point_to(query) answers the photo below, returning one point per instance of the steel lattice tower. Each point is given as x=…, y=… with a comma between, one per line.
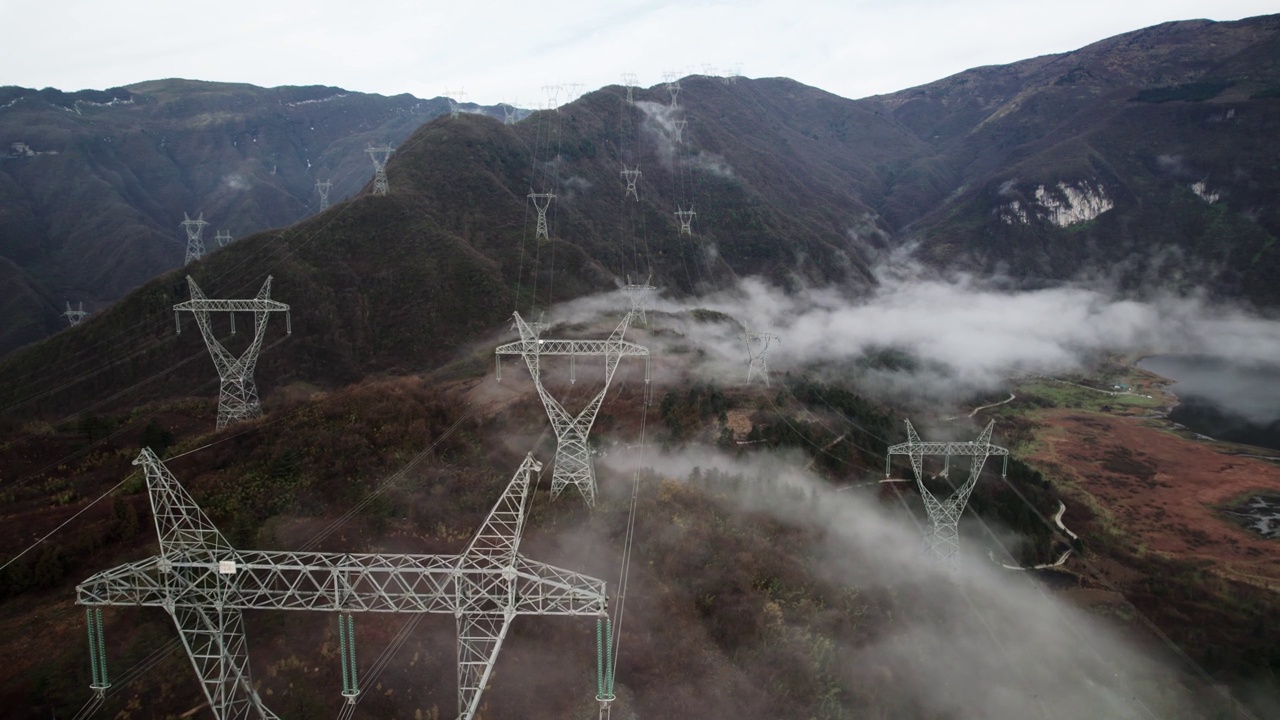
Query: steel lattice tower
x=206, y=585
x=238, y=399
x=223, y=237
x=629, y=82
x=631, y=176
x=508, y=114
x=943, y=539
x=453, y=103
x=541, y=201
x=639, y=295
x=75, y=316
x=379, y=155
x=553, y=95
x=195, y=243
x=680, y=125
x=323, y=188
x=757, y=345
x=573, y=453
x=686, y=220
x=673, y=87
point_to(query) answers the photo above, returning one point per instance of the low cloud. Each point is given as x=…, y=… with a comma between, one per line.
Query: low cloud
x=236, y=181
x=986, y=643
x=960, y=334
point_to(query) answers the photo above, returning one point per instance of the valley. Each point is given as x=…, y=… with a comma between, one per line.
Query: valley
x=1000, y=245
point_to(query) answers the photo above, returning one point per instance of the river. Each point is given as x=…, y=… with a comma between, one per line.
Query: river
x=1223, y=398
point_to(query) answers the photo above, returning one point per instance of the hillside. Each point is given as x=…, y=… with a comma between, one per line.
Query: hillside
x=94, y=184
x=777, y=566
x=1145, y=158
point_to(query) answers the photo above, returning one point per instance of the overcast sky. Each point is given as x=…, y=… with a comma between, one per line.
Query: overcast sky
x=507, y=51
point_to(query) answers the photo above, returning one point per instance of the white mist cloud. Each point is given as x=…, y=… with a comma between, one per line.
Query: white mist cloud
x=965, y=334
x=986, y=643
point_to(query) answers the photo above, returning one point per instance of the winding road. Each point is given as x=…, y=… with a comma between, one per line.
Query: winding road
x=1057, y=520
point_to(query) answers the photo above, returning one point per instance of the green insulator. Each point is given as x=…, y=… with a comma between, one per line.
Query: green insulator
x=599, y=658
x=342, y=655
x=93, y=649
x=102, y=649
x=608, y=656
x=351, y=650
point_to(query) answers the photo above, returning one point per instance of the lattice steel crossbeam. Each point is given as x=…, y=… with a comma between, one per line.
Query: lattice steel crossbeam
x=205, y=585
x=347, y=583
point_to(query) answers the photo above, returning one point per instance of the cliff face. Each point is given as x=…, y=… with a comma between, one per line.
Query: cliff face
x=1145, y=157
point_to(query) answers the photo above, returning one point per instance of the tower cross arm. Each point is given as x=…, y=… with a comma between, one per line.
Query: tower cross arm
x=576, y=347
x=254, y=580
x=543, y=589
x=242, y=305
x=961, y=449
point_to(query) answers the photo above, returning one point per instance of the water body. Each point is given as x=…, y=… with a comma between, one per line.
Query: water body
x=1261, y=513
x=1224, y=398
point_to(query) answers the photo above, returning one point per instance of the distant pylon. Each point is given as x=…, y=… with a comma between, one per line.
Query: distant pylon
x=943, y=539
x=323, y=189
x=508, y=114
x=639, y=295
x=573, y=452
x=541, y=201
x=553, y=95
x=757, y=345
x=709, y=70
x=631, y=176
x=572, y=91
x=673, y=87
x=379, y=155
x=629, y=82
x=195, y=243
x=238, y=399
x=680, y=125
x=223, y=237
x=686, y=220
x=74, y=316
x=454, y=97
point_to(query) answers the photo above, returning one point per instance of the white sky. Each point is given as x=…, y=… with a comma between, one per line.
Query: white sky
x=507, y=51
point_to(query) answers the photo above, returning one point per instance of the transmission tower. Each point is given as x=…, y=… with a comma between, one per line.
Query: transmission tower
x=673, y=87
x=631, y=176
x=573, y=453
x=75, y=316
x=454, y=97
x=195, y=243
x=223, y=237
x=639, y=295
x=206, y=585
x=541, y=201
x=508, y=114
x=680, y=125
x=629, y=82
x=238, y=399
x=686, y=220
x=757, y=345
x=323, y=189
x=379, y=155
x=943, y=539
x=553, y=95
